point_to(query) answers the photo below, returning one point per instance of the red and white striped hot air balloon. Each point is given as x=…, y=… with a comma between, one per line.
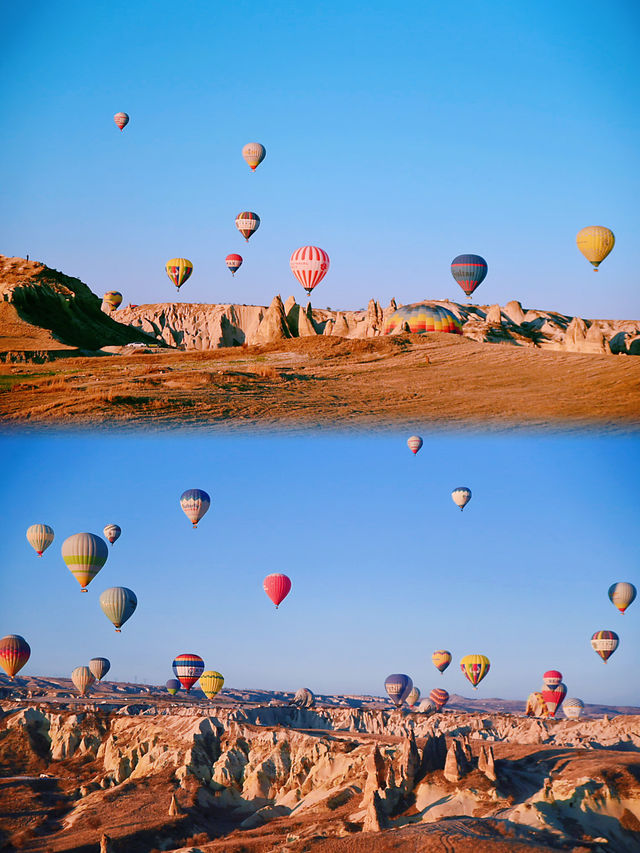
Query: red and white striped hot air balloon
x=121, y=119
x=277, y=587
x=309, y=264
x=414, y=443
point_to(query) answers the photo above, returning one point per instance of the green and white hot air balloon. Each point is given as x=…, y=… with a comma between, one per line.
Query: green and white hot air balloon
x=85, y=554
x=82, y=678
x=118, y=604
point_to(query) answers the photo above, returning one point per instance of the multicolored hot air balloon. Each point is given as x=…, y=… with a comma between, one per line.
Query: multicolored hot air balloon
x=605, y=643
x=621, y=594
x=118, y=604
x=439, y=697
x=413, y=697
x=474, y=668
x=112, y=298
x=441, y=659
x=40, y=536
x=414, y=443
x=595, y=242
x=553, y=697
x=85, y=554
x=179, y=270
x=188, y=669
x=277, y=586
x=420, y=318
x=309, y=264
x=398, y=687
x=303, y=698
x=99, y=667
x=552, y=678
x=234, y=262
x=254, y=153
x=82, y=678
x=247, y=223
x=121, y=119
x=173, y=685
x=461, y=496
x=112, y=532
x=573, y=708
x=195, y=503
x=469, y=271
x=14, y=653
x=211, y=683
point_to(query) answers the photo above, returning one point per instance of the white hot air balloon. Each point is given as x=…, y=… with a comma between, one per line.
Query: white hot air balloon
x=461, y=496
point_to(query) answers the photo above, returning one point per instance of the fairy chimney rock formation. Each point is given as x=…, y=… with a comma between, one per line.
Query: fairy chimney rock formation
x=494, y=316
x=174, y=808
x=305, y=325
x=273, y=326
x=457, y=763
x=374, y=819
x=340, y=327
x=514, y=312
x=486, y=762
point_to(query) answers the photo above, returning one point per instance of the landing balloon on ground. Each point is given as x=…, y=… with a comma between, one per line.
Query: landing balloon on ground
x=40, y=536
x=420, y=318
x=573, y=708
x=303, y=698
x=85, y=554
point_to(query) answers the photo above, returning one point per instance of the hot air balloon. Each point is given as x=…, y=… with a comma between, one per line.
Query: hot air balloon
x=173, y=685
x=553, y=697
x=254, y=154
x=469, y=271
x=309, y=264
x=536, y=706
x=211, y=683
x=441, y=659
x=112, y=298
x=14, y=653
x=439, y=697
x=605, y=643
x=595, y=242
x=622, y=594
x=277, y=587
x=195, y=503
x=40, y=536
x=99, y=667
x=247, y=223
x=421, y=317
x=414, y=443
x=398, y=687
x=188, y=669
x=573, y=708
x=82, y=678
x=552, y=678
x=234, y=262
x=427, y=707
x=112, y=532
x=413, y=697
x=118, y=604
x=85, y=554
x=474, y=668
x=121, y=119
x=303, y=698
x=179, y=270
x=461, y=496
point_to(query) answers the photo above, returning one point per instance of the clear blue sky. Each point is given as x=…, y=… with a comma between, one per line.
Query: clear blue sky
x=397, y=136
x=385, y=568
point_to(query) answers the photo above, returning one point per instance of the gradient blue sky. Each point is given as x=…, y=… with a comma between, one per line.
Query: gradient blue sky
x=397, y=138
x=385, y=568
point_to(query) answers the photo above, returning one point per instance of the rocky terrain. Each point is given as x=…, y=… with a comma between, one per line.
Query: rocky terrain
x=260, y=778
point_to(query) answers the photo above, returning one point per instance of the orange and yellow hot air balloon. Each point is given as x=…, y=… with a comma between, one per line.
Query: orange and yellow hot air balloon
x=595, y=242
x=441, y=659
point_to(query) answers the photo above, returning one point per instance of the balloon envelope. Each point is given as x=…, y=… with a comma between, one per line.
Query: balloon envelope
x=469, y=271
x=247, y=223
x=551, y=678
x=99, y=667
x=14, y=653
x=605, y=643
x=461, y=496
x=121, y=119
x=85, y=554
x=40, y=536
x=309, y=264
x=118, y=604
x=621, y=594
x=398, y=687
x=112, y=532
x=188, y=668
x=195, y=503
x=553, y=697
x=573, y=708
x=441, y=659
x=595, y=242
x=413, y=697
x=414, y=443
x=277, y=586
x=254, y=153
x=234, y=262
x=439, y=697
x=211, y=683
x=179, y=270
x=475, y=667
x=112, y=298
x=427, y=707
x=304, y=698
x=421, y=317
x=173, y=685
x=82, y=678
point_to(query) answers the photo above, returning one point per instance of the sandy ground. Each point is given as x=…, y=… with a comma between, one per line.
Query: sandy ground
x=405, y=382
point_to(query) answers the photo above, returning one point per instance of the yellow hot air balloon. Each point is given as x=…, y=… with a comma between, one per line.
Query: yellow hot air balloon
x=211, y=683
x=595, y=242
x=179, y=270
x=474, y=668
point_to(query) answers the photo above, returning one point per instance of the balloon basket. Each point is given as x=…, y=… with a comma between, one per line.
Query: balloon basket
x=118, y=631
x=84, y=590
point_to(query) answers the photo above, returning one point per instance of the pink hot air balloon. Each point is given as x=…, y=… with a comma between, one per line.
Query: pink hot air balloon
x=121, y=119
x=414, y=443
x=234, y=262
x=309, y=264
x=554, y=697
x=277, y=587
